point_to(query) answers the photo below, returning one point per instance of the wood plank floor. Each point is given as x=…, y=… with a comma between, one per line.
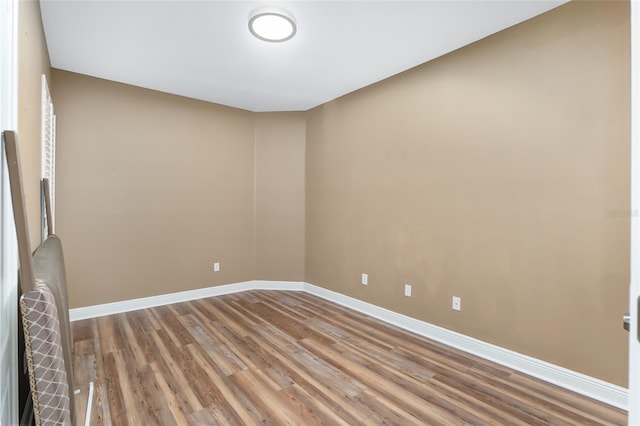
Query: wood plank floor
x=267, y=357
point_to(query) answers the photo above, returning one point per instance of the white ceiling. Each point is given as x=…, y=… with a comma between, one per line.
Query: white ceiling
x=204, y=50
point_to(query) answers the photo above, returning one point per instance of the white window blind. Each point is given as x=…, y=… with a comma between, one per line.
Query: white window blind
x=8, y=258
x=48, y=151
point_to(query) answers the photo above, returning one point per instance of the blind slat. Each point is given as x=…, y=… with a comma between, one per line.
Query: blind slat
x=48, y=148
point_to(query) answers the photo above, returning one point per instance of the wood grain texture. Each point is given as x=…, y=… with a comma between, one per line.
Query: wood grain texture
x=289, y=358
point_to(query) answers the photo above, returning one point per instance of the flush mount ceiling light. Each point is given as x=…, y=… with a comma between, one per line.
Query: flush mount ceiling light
x=272, y=24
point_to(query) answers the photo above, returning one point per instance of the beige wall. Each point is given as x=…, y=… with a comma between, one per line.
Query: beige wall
x=280, y=214
x=487, y=174
x=152, y=189
x=33, y=61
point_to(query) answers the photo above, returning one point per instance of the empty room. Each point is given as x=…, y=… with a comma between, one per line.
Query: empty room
x=319, y=212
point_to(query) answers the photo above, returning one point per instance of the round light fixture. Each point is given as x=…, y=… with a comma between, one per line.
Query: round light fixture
x=272, y=24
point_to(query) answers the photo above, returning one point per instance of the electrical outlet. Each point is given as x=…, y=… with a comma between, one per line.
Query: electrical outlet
x=407, y=290
x=365, y=279
x=216, y=267
x=457, y=303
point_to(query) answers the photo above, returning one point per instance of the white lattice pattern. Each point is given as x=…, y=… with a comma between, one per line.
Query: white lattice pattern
x=45, y=358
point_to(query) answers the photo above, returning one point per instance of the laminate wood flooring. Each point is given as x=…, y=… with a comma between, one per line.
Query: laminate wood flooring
x=277, y=357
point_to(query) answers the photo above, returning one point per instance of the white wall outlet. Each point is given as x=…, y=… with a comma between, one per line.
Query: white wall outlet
x=407, y=290
x=457, y=303
x=216, y=267
x=365, y=279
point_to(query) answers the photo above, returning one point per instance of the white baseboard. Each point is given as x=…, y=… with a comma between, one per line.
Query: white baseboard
x=279, y=285
x=94, y=311
x=572, y=380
